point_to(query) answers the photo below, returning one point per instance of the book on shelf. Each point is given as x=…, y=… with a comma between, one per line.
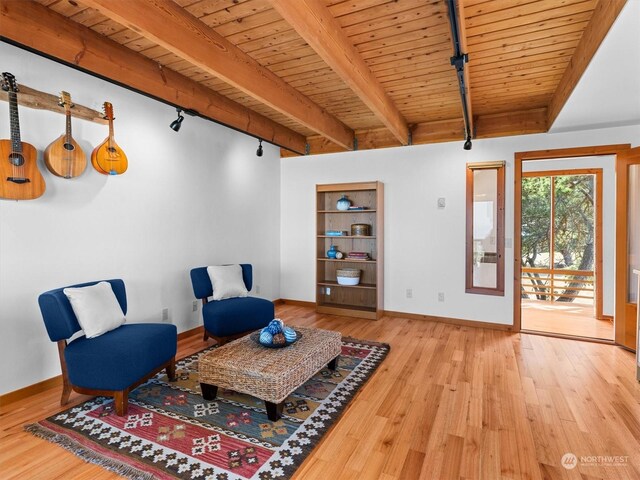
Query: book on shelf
x=357, y=207
x=336, y=233
x=358, y=256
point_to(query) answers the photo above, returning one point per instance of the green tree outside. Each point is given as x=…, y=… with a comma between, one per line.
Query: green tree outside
x=574, y=237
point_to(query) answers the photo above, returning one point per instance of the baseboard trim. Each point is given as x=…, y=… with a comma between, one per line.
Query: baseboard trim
x=56, y=381
x=30, y=390
x=190, y=333
x=450, y=321
x=297, y=303
x=412, y=316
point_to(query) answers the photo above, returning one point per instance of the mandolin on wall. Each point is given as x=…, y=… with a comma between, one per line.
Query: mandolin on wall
x=108, y=158
x=20, y=178
x=64, y=157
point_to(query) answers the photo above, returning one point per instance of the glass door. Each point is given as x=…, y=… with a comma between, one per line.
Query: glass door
x=561, y=253
x=559, y=237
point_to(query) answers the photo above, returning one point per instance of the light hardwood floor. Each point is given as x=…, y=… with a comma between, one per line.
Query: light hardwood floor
x=564, y=318
x=448, y=402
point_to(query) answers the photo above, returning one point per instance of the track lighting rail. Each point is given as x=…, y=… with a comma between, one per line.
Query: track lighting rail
x=458, y=61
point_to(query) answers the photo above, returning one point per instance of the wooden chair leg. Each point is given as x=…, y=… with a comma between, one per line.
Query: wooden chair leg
x=121, y=399
x=206, y=334
x=66, y=392
x=171, y=370
x=66, y=385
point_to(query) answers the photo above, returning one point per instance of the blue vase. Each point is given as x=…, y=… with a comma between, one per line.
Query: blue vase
x=344, y=203
x=331, y=253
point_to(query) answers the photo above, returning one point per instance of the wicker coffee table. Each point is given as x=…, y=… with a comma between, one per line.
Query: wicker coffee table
x=270, y=374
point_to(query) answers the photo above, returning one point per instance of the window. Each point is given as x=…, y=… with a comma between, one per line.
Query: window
x=485, y=228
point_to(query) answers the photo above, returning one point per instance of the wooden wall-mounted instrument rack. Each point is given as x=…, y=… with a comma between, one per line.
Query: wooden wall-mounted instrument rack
x=32, y=98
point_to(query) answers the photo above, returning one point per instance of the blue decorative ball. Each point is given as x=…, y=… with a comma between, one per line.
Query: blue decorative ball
x=275, y=326
x=290, y=334
x=266, y=338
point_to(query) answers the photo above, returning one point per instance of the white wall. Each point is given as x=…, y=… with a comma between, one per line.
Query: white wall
x=197, y=197
x=424, y=246
x=608, y=165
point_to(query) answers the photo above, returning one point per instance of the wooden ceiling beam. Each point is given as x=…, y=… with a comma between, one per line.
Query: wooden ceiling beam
x=167, y=24
x=487, y=126
x=41, y=29
x=604, y=14
x=319, y=28
x=511, y=123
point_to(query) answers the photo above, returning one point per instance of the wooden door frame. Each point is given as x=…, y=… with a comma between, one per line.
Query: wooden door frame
x=598, y=186
x=622, y=248
x=519, y=157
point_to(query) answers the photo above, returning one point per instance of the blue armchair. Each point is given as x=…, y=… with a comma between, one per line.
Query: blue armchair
x=232, y=317
x=113, y=363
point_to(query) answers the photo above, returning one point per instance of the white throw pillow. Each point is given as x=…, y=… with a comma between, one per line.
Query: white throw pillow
x=96, y=308
x=227, y=281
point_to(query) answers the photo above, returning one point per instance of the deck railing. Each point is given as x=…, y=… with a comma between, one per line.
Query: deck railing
x=557, y=285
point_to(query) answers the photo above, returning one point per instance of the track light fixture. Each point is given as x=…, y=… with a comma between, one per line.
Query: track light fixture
x=177, y=123
x=259, y=151
x=458, y=61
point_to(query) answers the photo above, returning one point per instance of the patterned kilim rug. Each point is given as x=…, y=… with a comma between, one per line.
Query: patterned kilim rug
x=170, y=431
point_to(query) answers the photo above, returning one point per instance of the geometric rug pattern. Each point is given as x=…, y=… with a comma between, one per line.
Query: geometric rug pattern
x=171, y=432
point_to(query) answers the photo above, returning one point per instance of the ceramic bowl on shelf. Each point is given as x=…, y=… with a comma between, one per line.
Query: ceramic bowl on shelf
x=348, y=276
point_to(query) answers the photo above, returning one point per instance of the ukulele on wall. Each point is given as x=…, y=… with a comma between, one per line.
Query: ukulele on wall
x=108, y=158
x=20, y=178
x=64, y=157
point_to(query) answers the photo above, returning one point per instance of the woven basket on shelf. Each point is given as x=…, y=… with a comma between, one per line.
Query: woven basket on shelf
x=348, y=276
x=348, y=272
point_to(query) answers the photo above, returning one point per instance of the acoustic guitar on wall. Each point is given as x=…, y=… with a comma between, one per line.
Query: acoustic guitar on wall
x=64, y=157
x=108, y=158
x=20, y=178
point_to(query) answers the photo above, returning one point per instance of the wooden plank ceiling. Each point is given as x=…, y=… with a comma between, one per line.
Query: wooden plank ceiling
x=323, y=72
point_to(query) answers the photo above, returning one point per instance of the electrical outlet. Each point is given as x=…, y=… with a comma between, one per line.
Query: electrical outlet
x=165, y=314
x=409, y=293
x=195, y=306
x=442, y=202
x=441, y=296
x=257, y=289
